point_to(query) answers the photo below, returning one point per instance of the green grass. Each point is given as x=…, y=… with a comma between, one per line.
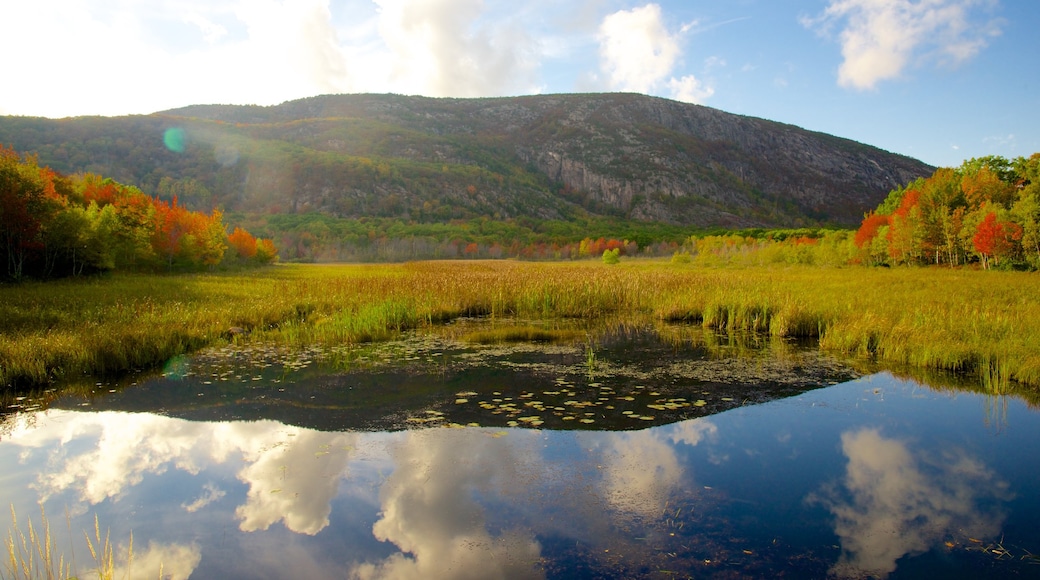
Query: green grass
x=984, y=324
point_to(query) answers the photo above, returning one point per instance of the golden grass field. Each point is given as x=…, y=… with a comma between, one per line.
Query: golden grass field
x=981, y=323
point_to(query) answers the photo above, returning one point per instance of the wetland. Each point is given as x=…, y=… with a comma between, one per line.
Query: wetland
x=600, y=449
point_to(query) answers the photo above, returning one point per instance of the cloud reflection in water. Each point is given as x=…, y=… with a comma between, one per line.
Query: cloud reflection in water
x=292, y=473
x=892, y=503
x=430, y=509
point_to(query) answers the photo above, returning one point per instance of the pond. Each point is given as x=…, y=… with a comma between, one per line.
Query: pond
x=635, y=453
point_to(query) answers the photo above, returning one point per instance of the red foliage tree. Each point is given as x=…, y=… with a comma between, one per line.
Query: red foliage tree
x=868, y=230
x=995, y=239
x=100, y=190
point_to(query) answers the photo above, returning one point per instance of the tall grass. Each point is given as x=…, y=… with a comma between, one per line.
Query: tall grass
x=31, y=552
x=982, y=323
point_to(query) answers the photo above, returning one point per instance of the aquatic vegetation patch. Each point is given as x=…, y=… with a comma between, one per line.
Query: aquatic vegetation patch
x=522, y=334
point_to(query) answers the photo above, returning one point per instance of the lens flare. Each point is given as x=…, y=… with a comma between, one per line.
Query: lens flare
x=173, y=138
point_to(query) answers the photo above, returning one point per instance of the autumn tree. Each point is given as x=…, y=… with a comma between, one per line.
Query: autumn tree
x=28, y=201
x=906, y=230
x=984, y=185
x=994, y=239
x=1026, y=210
x=942, y=206
x=243, y=243
x=266, y=252
x=868, y=231
x=51, y=225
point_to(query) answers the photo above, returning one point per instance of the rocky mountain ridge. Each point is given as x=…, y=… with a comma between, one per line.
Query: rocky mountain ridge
x=549, y=156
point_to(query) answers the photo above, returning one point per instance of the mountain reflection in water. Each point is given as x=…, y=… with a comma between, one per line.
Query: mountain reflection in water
x=873, y=477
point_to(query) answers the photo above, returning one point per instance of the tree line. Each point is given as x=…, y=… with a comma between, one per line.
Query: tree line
x=52, y=225
x=987, y=211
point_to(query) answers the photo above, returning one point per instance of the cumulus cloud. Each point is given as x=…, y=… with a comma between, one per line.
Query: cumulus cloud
x=641, y=470
x=881, y=38
x=892, y=503
x=694, y=431
x=637, y=50
x=639, y=54
x=212, y=494
x=295, y=483
x=689, y=90
x=180, y=52
x=143, y=57
x=640, y=473
x=175, y=561
x=430, y=513
x=445, y=48
x=293, y=474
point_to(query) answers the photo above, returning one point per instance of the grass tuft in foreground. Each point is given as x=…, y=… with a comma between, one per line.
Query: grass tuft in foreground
x=32, y=553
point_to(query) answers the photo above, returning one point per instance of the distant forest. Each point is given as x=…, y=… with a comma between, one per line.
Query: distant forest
x=985, y=212
x=55, y=226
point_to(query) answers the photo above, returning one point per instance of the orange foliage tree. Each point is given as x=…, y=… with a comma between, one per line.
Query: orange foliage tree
x=56, y=226
x=243, y=243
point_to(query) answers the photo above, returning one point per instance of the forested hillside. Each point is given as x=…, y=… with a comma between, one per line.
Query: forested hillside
x=421, y=160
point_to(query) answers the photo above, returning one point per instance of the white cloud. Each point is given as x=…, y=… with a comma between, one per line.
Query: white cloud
x=694, y=431
x=636, y=49
x=881, y=38
x=294, y=483
x=893, y=504
x=213, y=493
x=443, y=48
x=121, y=61
x=714, y=62
x=640, y=473
x=689, y=90
x=292, y=473
x=429, y=510
x=639, y=54
x=145, y=57
x=175, y=561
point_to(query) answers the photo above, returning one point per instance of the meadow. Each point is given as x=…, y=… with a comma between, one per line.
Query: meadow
x=978, y=323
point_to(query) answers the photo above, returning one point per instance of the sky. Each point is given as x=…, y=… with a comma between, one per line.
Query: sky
x=938, y=80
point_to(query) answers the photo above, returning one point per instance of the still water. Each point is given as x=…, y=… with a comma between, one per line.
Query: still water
x=630, y=456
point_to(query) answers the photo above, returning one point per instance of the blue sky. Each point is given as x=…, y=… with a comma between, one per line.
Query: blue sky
x=939, y=80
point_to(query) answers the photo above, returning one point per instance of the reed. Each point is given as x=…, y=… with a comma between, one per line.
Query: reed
x=32, y=553
x=986, y=324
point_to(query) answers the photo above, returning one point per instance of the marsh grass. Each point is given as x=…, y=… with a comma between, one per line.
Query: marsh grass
x=31, y=552
x=983, y=324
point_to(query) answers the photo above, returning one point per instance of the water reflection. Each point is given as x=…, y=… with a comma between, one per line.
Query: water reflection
x=292, y=473
x=892, y=502
x=429, y=508
x=641, y=471
x=718, y=496
x=176, y=561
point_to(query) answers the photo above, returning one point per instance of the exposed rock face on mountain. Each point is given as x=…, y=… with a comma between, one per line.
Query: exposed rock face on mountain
x=547, y=156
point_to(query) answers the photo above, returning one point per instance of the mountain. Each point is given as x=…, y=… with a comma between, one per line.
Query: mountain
x=549, y=157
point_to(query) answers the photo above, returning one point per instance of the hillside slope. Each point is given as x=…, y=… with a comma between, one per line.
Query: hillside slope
x=550, y=157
